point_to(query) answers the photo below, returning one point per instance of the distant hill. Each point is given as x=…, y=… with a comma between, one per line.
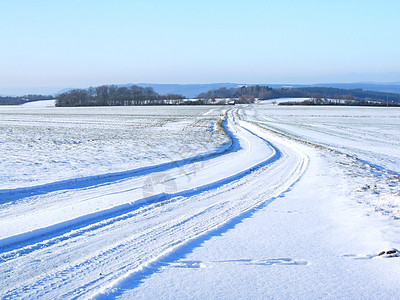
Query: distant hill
x=376, y=87
x=191, y=90
x=21, y=91
x=8, y=100
x=247, y=94
x=386, y=87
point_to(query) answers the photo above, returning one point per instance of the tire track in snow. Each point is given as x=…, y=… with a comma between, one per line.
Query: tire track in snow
x=52, y=233
x=37, y=236
x=133, y=278
x=198, y=225
x=326, y=130
x=10, y=195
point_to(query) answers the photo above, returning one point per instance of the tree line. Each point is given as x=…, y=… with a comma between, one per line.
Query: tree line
x=247, y=94
x=353, y=94
x=349, y=101
x=111, y=95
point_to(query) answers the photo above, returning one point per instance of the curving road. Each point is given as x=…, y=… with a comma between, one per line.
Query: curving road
x=99, y=238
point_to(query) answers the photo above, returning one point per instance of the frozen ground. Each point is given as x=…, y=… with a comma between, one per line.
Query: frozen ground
x=40, y=145
x=289, y=206
x=312, y=242
x=371, y=134
x=40, y=104
x=369, y=137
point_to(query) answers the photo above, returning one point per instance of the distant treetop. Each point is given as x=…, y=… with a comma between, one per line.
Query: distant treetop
x=248, y=94
x=111, y=95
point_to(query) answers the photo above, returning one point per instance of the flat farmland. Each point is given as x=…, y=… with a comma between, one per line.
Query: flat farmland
x=149, y=202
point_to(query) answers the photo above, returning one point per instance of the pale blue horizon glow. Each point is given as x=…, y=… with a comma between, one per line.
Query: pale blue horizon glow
x=80, y=43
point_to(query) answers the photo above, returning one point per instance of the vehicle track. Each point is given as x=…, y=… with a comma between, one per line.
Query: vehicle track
x=96, y=256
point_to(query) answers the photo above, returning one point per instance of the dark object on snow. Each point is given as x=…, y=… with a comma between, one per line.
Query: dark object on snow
x=390, y=253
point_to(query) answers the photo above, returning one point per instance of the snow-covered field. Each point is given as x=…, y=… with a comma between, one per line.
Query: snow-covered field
x=156, y=202
x=371, y=134
x=41, y=145
x=368, y=137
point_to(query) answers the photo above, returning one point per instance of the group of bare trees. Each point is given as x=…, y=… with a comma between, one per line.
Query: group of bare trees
x=318, y=95
x=111, y=95
x=247, y=94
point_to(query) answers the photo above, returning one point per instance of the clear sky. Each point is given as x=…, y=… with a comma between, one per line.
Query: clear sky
x=78, y=43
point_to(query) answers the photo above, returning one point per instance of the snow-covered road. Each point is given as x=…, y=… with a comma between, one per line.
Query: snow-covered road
x=313, y=242
x=101, y=235
x=320, y=239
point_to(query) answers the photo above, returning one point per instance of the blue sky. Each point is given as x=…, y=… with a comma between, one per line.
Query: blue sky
x=82, y=43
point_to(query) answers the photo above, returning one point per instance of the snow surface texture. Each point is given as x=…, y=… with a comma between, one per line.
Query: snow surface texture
x=39, y=146
x=371, y=134
x=263, y=211
x=369, y=137
x=40, y=104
